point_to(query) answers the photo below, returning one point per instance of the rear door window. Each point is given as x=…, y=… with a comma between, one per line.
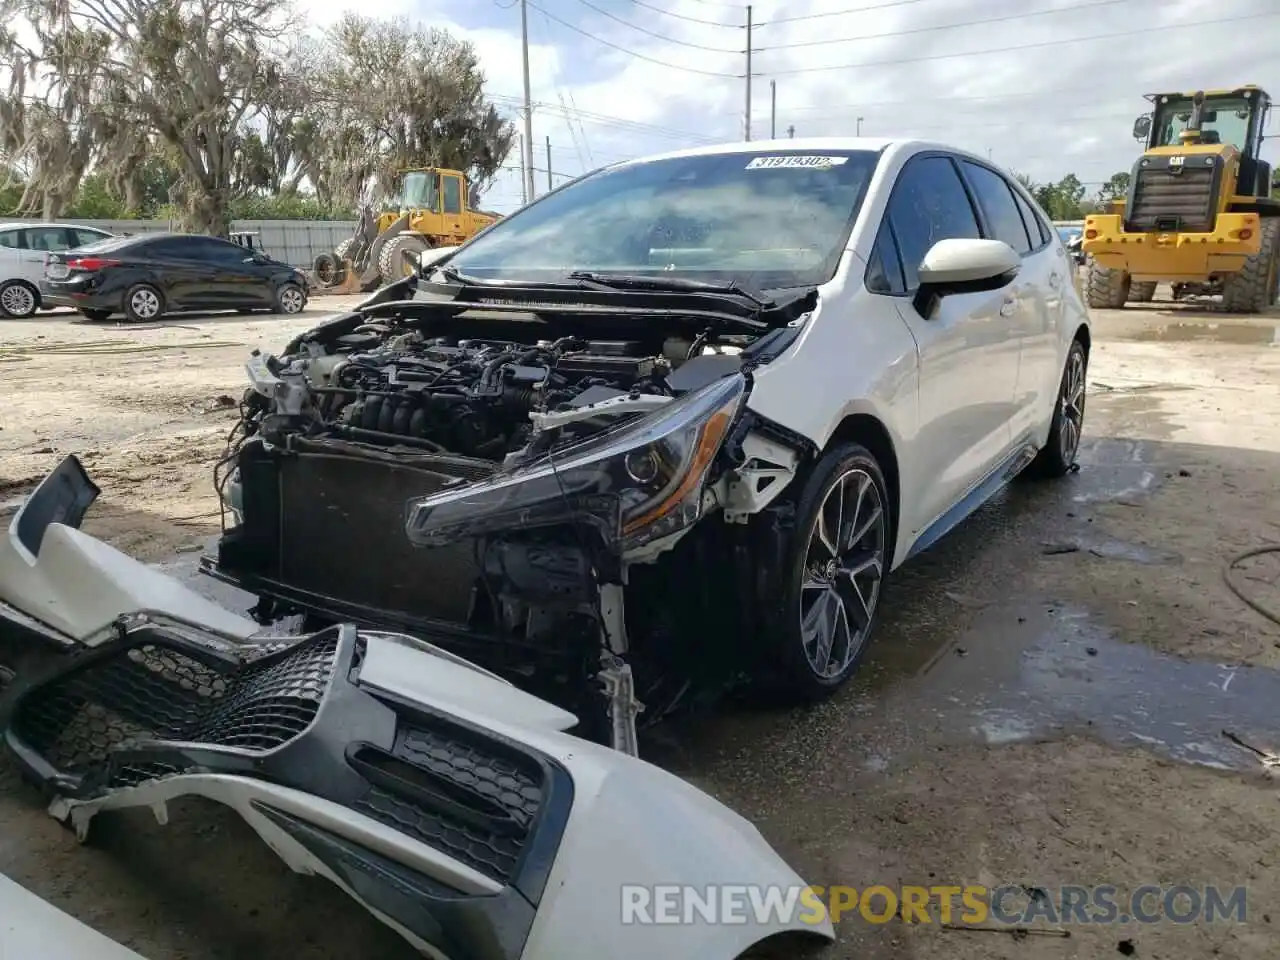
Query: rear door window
x=1036, y=227
x=11, y=239
x=82, y=237
x=49, y=239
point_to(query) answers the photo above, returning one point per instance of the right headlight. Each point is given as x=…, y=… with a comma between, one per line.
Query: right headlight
x=637, y=483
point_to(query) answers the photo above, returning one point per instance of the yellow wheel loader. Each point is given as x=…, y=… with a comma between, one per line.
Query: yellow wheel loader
x=428, y=209
x=1199, y=213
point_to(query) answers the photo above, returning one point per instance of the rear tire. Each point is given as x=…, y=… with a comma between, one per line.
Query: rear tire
x=1106, y=288
x=1142, y=292
x=1058, y=455
x=143, y=304
x=1253, y=289
x=97, y=316
x=18, y=299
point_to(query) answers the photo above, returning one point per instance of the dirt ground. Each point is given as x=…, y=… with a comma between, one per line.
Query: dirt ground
x=1039, y=683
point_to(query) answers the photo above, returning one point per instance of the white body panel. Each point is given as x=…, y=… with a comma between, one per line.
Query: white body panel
x=31, y=927
x=78, y=585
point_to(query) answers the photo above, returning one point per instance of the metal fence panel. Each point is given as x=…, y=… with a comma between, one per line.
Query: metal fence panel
x=296, y=242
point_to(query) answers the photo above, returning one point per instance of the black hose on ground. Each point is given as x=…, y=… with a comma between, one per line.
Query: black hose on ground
x=1227, y=575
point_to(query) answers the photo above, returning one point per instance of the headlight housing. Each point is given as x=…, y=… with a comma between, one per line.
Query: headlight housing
x=635, y=484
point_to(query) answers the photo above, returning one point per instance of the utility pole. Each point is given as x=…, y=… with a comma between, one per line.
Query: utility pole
x=773, y=109
x=528, y=104
x=791, y=131
x=747, y=116
x=859, y=133
x=549, y=186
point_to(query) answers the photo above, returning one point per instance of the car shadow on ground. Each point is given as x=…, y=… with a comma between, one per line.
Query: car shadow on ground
x=316, y=306
x=205, y=887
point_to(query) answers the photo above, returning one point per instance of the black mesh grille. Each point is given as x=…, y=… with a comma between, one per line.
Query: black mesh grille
x=479, y=779
x=1174, y=201
x=155, y=692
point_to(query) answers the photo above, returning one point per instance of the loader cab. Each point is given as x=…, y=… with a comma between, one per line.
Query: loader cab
x=1213, y=118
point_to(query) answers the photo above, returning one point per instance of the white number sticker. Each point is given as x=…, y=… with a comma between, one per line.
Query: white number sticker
x=791, y=163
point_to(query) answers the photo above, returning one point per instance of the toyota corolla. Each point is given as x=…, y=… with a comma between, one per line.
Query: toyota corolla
x=683, y=413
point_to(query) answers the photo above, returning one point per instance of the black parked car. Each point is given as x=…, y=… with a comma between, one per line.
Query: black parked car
x=152, y=274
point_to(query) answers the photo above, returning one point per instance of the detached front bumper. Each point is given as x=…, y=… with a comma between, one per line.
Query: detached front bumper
x=1173, y=256
x=443, y=829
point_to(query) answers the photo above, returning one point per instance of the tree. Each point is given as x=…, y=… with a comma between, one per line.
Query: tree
x=396, y=96
x=1116, y=188
x=190, y=73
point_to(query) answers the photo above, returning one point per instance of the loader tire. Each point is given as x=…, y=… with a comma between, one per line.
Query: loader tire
x=343, y=250
x=1142, y=291
x=1253, y=289
x=393, y=264
x=1106, y=288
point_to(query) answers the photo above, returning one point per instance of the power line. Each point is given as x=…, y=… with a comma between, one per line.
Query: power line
x=1025, y=46
x=604, y=119
x=662, y=36
x=681, y=16
x=632, y=53
x=841, y=13
x=943, y=26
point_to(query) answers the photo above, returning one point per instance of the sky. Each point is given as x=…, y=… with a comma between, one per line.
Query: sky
x=1044, y=87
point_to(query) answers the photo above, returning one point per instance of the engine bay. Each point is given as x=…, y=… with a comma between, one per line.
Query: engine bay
x=387, y=384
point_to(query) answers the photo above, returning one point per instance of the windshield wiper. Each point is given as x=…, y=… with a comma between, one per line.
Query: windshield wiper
x=633, y=281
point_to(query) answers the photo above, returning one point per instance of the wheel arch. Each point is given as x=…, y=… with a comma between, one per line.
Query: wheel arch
x=869, y=431
x=1084, y=337
x=22, y=282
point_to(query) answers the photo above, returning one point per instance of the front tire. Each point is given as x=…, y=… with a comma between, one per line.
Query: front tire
x=833, y=571
x=1106, y=288
x=290, y=299
x=394, y=262
x=1254, y=288
x=143, y=303
x=1142, y=291
x=1058, y=456
x=18, y=299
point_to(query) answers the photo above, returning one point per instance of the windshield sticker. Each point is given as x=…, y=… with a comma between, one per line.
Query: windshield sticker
x=791, y=163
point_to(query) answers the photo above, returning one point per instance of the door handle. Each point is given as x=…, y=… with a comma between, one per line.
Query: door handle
x=1008, y=308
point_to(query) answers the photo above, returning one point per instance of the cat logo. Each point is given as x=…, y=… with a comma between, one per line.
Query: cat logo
x=1177, y=162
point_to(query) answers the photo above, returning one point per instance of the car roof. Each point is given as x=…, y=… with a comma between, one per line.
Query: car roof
x=20, y=224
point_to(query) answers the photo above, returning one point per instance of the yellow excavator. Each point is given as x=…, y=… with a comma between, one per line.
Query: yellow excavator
x=428, y=208
x=1199, y=213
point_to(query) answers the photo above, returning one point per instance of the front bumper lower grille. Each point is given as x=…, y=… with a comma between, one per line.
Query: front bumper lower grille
x=155, y=704
x=151, y=692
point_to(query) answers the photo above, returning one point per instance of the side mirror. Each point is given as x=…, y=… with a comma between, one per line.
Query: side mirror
x=964, y=266
x=1142, y=127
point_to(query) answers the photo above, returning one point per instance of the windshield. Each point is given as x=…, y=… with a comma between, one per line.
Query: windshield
x=1224, y=121
x=417, y=191
x=766, y=220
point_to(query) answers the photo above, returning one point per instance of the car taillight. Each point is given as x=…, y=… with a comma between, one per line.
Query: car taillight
x=90, y=264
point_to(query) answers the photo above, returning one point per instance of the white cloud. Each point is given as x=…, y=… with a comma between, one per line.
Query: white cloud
x=1048, y=108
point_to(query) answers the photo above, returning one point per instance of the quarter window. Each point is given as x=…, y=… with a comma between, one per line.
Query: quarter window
x=929, y=203
x=80, y=237
x=998, y=206
x=884, y=272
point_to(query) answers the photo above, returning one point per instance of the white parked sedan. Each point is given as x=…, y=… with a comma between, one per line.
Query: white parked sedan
x=23, y=247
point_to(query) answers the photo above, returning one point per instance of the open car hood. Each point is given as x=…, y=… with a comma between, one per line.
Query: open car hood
x=448, y=803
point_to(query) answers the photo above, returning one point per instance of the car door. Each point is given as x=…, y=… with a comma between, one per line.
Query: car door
x=968, y=356
x=1040, y=371
x=451, y=204
x=37, y=243
x=236, y=279
x=1031, y=289
x=184, y=277
x=10, y=254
